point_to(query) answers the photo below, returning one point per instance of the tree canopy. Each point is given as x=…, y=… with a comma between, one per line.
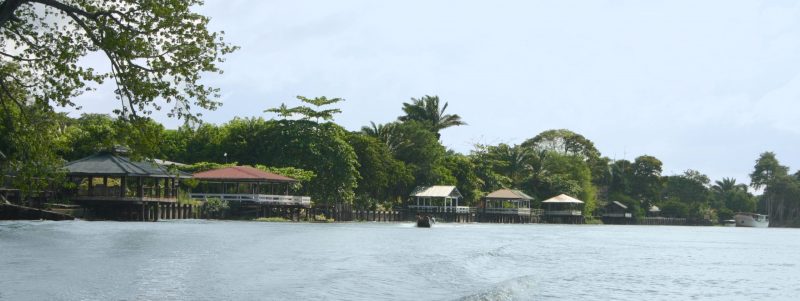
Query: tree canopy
x=428, y=111
x=155, y=52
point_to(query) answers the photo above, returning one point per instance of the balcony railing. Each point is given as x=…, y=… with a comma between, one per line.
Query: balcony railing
x=512, y=211
x=441, y=209
x=615, y=215
x=290, y=200
x=563, y=212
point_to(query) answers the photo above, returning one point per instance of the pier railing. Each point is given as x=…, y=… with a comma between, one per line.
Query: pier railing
x=513, y=211
x=440, y=209
x=618, y=215
x=563, y=212
x=292, y=200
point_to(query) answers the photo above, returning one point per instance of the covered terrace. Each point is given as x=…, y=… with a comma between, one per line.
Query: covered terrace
x=247, y=184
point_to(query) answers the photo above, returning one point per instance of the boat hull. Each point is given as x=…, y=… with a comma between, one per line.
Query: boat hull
x=751, y=220
x=424, y=222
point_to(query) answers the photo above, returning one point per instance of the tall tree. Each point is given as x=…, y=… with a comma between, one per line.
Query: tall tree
x=730, y=197
x=156, y=50
x=383, y=180
x=565, y=142
x=767, y=168
x=427, y=110
x=647, y=183
x=388, y=134
x=781, y=197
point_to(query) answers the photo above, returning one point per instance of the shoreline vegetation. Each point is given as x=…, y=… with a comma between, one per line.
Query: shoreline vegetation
x=376, y=167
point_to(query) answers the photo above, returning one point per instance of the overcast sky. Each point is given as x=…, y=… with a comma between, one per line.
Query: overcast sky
x=704, y=85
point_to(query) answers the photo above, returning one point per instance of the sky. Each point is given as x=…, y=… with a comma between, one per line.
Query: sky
x=703, y=85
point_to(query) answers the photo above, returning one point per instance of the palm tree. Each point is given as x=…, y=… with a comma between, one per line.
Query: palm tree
x=517, y=161
x=388, y=134
x=727, y=184
x=426, y=110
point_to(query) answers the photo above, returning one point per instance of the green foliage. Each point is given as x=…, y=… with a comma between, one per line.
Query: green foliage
x=320, y=218
x=383, y=180
x=563, y=173
x=388, y=134
x=199, y=144
x=674, y=208
x=487, y=168
x=512, y=162
x=467, y=181
x=203, y=166
x=646, y=178
x=564, y=142
x=727, y=195
x=320, y=148
x=781, y=197
x=767, y=168
x=157, y=51
x=95, y=132
x=426, y=111
x=308, y=113
x=31, y=137
x=422, y=154
x=216, y=207
x=688, y=188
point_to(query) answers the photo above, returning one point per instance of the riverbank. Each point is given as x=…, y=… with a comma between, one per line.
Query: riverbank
x=17, y=212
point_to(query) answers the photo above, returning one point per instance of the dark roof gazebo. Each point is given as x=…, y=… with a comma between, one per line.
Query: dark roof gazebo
x=109, y=176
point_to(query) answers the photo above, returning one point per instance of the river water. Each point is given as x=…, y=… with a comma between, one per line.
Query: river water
x=227, y=260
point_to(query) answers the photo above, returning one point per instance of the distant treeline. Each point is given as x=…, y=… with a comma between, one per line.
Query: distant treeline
x=377, y=166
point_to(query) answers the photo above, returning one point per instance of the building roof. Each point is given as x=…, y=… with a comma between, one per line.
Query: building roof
x=654, y=208
x=437, y=192
x=621, y=205
x=241, y=174
x=111, y=164
x=510, y=194
x=563, y=199
x=168, y=163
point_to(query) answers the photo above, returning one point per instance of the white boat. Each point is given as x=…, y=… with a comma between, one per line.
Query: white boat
x=745, y=219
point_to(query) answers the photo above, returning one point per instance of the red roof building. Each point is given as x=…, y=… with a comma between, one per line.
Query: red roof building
x=247, y=184
x=241, y=174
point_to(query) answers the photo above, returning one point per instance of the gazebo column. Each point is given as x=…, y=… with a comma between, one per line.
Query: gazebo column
x=122, y=186
x=167, y=187
x=105, y=185
x=91, y=186
x=158, y=188
x=140, y=188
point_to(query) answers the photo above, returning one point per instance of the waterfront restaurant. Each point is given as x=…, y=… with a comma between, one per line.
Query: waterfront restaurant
x=115, y=187
x=249, y=185
x=563, y=209
x=437, y=199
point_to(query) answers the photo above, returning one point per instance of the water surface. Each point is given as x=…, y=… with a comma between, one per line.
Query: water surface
x=219, y=260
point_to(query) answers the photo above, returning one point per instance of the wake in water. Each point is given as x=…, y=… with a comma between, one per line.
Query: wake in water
x=521, y=288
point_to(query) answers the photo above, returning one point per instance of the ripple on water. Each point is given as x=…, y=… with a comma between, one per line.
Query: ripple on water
x=211, y=260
